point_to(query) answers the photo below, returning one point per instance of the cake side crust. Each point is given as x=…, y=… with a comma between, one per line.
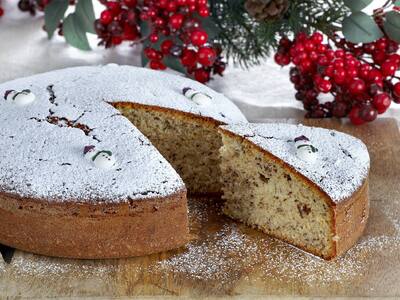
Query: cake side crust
x=94, y=231
x=351, y=218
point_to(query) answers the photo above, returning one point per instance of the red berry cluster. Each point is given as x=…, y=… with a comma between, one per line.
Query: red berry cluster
x=32, y=6
x=175, y=32
x=361, y=78
x=118, y=23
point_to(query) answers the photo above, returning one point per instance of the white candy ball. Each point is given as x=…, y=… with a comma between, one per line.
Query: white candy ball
x=201, y=99
x=24, y=98
x=104, y=161
x=306, y=154
x=197, y=97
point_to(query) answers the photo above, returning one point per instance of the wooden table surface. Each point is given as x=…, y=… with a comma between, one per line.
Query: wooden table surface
x=226, y=258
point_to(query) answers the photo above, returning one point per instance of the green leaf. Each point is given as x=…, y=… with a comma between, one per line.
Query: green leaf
x=392, y=25
x=361, y=28
x=53, y=14
x=397, y=3
x=357, y=5
x=74, y=33
x=210, y=27
x=174, y=63
x=85, y=12
x=145, y=29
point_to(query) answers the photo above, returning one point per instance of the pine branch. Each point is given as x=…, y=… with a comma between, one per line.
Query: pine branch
x=247, y=41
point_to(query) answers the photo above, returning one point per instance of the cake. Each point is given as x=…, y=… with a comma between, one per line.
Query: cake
x=81, y=174
x=307, y=186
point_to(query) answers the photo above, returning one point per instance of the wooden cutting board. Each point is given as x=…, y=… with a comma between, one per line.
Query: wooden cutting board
x=227, y=258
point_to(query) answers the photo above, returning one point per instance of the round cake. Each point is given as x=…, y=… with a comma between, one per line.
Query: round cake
x=81, y=174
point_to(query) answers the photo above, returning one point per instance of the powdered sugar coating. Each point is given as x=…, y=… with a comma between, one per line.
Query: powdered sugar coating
x=342, y=163
x=41, y=144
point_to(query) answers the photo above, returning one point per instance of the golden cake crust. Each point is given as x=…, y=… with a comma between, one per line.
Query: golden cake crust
x=93, y=231
x=349, y=216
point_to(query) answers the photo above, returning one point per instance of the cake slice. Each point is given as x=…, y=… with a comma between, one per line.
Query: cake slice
x=307, y=186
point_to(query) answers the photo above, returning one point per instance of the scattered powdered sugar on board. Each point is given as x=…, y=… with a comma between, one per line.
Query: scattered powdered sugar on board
x=42, y=266
x=214, y=258
x=233, y=252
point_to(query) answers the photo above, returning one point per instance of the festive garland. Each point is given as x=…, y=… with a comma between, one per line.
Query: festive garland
x=337, y=49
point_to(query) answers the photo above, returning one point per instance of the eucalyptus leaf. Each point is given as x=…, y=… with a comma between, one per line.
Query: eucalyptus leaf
x=144, y=29
x=174, y=64
x=209, y=25
x=53, y=14
x=397, y=3
x=74, y=33
x=357, y=5
x=361, y=28
x=85, y=12
x=392, y=25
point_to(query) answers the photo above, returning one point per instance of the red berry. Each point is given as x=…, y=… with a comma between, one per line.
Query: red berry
x=285, y=42
x=396, y=89
x=339, y=63
x=282, y=59
x=157, y=65
x=323, y=61
x=130, y=33
x=317, y=37
x=153, y=38
x=301, y=36
x=321, y=48
x=199, y=37
x=150, y=53
x=116, y=40
x=305, y=65
x=381, y=102
x=130, y=3
x=355, y=117
x=352, y=72
x=309, y=45
x=379, y=56
x=313, y=55
x=188, y=58
x=171, y=6
x=106, y=17
x=394, y=57
x=203, y=11
x=1, y=11
x=357, y=86
x=166, y=46
x=339, y=109
x=329, y=70
x=206, y=56
x=176, y=21
x=368, y=113
x=330, y=54
x=324, y=86
x=388, y=68
x=364, y=71
x=375, y=76
x=339, y=53
x=202, y=75
x=339, y=76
